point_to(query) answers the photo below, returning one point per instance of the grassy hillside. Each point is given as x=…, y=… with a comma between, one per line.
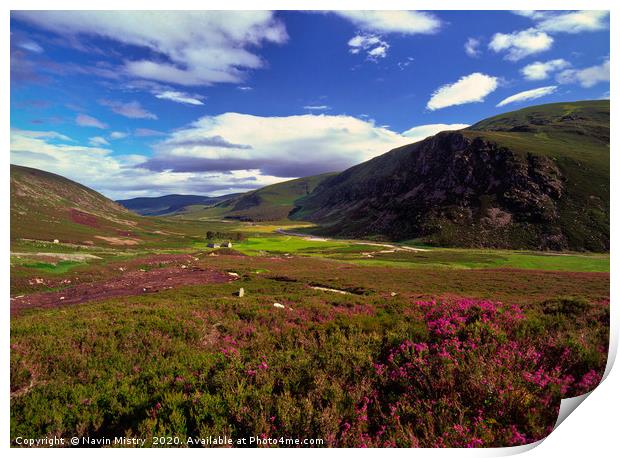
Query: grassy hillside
x=533, y=178
x=47, y=207
x=170, y=204
x=271, y=203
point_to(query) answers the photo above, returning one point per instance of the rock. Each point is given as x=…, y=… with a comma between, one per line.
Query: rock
x=277, y=305
x=233, y=274
x=241, y=292
x=56, y=241
x=392, y=294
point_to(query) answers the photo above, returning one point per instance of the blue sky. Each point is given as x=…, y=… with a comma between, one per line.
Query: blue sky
x=141, y=104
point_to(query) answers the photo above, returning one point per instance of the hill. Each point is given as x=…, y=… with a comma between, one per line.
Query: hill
x=532, y=178
x=169, y=204
x=48, y=207
x=271, y=203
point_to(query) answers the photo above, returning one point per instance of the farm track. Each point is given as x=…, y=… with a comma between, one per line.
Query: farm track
x=129, y=284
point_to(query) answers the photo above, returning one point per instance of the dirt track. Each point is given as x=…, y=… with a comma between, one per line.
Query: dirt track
x=130, y=284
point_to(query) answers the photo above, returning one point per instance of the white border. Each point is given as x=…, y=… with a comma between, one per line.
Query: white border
x=591, y=429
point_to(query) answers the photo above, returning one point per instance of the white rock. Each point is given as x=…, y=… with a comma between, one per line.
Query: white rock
x=241, y=292
x=277, y=305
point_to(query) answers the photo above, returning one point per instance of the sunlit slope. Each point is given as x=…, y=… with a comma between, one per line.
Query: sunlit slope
x=48, y=207
x=271, y=203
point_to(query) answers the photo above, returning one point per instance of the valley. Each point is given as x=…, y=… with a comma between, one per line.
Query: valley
x=309, y=326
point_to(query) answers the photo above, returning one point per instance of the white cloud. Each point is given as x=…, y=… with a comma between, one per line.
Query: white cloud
x=31, y=46
x=373, y=45
x=379, y=51
x=470, y=88
x=568, y=22
x=41, y=134
x=405, y=63
x=244, y=88
x=118, y=135
x=143, y=132
x=200, y=47
x=421, y=132
x=131, y=110
x=541, y=70
x=221, y=154
x=89, y=121
x=586, y=77
x=518, y=45
x=317, y=107
x=472, y=47
x=117, y=176
x=528, y=95
x=405, y=22
x=179, y=97
x=280, y=146
x=98, y=141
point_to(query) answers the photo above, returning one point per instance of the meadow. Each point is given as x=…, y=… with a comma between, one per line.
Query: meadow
x=444, y=347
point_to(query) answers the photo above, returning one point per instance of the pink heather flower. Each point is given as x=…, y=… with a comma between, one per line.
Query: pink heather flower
x=474, y=442
x=588, y=381
x=517, y=437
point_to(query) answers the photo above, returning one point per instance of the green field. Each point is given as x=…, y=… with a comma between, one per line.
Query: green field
x=358, y=251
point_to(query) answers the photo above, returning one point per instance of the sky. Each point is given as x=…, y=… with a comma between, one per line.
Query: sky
x=151, y=103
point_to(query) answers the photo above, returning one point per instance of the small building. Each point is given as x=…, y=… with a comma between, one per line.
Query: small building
x=213, y=245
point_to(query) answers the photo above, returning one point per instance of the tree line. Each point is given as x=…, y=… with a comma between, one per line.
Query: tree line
x=221, y=236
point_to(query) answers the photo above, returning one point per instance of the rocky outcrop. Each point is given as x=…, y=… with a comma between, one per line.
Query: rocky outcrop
x=448, y=189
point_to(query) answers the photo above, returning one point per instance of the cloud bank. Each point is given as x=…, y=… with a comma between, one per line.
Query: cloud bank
x=192, y=48
x=231, y=152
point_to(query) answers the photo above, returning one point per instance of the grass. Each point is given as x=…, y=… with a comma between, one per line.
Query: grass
x=200, y=361
x=271, y=203
x=487, y=341
x=489, y=259
x=357, y=252
x=60, y=267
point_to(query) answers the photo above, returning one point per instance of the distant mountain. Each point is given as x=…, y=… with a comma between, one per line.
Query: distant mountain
x=271, y=203
x=533, y=178
x=46, y=206
x=170, y=204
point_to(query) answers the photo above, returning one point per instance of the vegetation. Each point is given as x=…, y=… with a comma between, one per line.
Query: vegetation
x=123, y=325
x=229, y=236
x=423, y=367
x=536, y=178
x=170, y=204
x=271, y=203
